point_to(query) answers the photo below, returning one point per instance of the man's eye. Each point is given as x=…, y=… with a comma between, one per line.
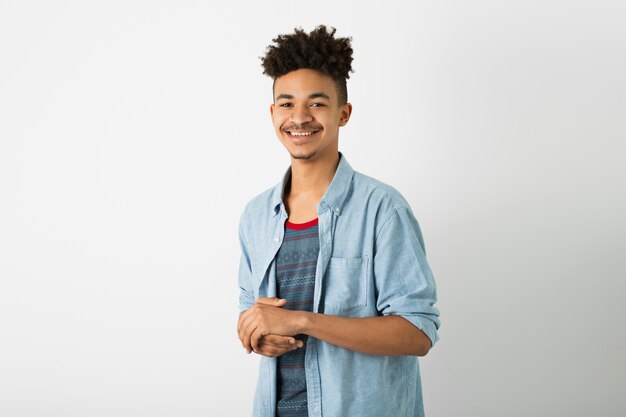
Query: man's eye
x=285, y=105
x=317, y=104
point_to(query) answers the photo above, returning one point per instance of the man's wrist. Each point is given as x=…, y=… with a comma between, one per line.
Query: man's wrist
x=305, y=322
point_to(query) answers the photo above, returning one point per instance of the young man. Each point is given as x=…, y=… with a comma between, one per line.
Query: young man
x=336, y=293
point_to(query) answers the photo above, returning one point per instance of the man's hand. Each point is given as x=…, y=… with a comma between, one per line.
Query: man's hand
x=274, y=345
x=266, y=328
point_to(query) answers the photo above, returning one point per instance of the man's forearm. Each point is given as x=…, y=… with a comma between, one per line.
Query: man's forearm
x=386, y=335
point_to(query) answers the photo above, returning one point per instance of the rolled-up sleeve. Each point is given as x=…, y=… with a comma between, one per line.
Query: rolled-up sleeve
x=246, y=293
x=404, y=282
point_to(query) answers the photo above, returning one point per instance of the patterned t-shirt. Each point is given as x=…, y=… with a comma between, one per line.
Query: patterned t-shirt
x=296, y=263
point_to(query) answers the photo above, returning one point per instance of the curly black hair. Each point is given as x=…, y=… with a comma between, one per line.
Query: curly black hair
x=318, y=50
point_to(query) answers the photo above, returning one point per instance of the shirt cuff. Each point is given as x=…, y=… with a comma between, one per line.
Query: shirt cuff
x=425, y=325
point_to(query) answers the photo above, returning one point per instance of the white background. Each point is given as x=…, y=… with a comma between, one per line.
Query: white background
x=132, y=134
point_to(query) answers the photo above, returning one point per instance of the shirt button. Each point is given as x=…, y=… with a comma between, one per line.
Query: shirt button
x=337, y=210
x=276, y=239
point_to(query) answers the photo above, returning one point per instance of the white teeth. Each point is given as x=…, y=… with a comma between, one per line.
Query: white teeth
x=301, y=133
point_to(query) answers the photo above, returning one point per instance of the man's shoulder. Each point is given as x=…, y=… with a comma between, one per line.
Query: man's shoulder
x=262, y=202
x=378, y=191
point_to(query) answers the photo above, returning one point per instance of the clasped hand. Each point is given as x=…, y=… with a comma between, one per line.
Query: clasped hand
x=267, y=329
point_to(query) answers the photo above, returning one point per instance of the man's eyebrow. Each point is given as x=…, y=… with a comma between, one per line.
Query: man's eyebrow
x=319, y=95
x=311, y=96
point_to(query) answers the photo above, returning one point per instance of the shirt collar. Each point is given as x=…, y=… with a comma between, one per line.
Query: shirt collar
x=335, y=194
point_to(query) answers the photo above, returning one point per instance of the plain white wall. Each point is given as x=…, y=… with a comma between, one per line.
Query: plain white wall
x=132, y=133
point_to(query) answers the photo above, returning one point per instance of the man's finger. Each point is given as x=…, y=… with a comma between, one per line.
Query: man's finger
x=246, y=334
x=242, y=318
x=255, y=338
x=241, y=327
x=279, y=341
x=272, y=301
x=271, y=351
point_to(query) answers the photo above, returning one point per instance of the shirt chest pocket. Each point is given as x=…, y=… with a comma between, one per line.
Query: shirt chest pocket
x=345, y=283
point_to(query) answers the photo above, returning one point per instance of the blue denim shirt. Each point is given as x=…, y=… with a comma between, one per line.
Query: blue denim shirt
x=371, y=263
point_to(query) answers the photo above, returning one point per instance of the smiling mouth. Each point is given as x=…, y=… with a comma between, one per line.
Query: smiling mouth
x=301, y=133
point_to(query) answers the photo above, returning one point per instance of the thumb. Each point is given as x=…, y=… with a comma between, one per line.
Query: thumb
x=272, y=301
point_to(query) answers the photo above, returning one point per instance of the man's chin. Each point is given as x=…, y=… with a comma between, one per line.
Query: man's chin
x=303, y=156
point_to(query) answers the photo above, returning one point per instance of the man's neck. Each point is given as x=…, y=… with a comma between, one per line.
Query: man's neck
x=310, y=179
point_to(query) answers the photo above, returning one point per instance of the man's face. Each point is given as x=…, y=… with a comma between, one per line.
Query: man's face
x=307, y=115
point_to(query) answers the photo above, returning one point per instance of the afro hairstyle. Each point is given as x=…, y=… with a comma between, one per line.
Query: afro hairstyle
x=318, y=50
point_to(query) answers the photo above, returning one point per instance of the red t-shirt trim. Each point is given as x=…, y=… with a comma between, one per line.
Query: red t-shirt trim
x=301, y=226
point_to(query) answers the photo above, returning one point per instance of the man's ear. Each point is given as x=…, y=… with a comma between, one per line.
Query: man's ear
x=272, y=109
x=344, y=114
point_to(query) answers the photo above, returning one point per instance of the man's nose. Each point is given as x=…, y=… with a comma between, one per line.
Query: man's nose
x=301, y=115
